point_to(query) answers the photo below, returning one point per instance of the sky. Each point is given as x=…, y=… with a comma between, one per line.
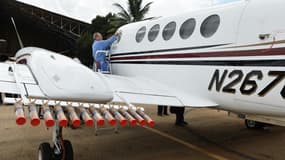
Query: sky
x=86, y=10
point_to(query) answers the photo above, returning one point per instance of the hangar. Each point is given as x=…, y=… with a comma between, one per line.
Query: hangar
x=37, y=27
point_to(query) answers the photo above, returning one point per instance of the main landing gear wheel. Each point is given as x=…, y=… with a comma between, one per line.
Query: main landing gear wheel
x=60, y=150
x=66, y=151
x=45, y=152
x=250, y=124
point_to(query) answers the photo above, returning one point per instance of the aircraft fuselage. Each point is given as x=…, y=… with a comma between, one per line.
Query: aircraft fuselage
x=233, y=54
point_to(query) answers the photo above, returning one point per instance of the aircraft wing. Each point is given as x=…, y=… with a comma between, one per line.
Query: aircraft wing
x=18, y=79
x=20, y=82
x=137, y=90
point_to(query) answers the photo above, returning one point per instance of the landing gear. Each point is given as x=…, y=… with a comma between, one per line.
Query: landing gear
x=250, y=124
x=45, y=152
x=68, y=149
x=61, y=150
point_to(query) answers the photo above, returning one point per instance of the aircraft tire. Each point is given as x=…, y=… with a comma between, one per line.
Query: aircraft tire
x=250, y=124
x=45, y=152
x=68, y=150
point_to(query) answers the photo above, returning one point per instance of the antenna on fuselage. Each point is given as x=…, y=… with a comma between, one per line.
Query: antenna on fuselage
x=18, y=36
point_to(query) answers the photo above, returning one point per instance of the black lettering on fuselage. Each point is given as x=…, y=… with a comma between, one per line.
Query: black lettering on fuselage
x=229, y=88
x=280, y=75
x=217, y=81
x=249, y=86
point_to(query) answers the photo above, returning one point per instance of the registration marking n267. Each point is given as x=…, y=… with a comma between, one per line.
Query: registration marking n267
x=245, y=83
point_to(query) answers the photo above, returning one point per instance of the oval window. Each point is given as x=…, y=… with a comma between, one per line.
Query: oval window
x=153, y=32
x=210, y=25
x=187, y=28
x=140, y=34
x=168, y=30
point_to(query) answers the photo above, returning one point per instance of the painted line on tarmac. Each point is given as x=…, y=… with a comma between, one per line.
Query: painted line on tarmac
x=188, y=145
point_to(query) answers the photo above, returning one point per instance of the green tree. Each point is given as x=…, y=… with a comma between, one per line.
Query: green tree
x=134, y=12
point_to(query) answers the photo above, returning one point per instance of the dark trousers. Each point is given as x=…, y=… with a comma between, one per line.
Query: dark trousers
x=1, y=101
x=179, y=111
x=161, y=109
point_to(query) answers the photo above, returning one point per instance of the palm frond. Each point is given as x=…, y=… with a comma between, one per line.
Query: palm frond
x=145, y=8
x=123, y=12
x=134, y=12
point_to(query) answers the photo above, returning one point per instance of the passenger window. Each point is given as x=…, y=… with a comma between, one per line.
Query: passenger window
x=169, y=30
x=187, y=28
x=210, y=25
x=140, y=34
x=153, y=32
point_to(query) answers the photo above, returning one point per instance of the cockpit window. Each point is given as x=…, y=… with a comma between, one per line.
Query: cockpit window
x=210, y=25
x=140, y=34
x=153, y=32
x=169, y=30
x=187, y=28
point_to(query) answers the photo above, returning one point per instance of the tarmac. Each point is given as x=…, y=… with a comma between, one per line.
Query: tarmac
x=210, y=135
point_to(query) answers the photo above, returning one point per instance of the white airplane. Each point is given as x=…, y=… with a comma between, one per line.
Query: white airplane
x=226, y=57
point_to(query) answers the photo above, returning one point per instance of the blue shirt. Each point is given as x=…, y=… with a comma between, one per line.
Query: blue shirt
x=102, y=45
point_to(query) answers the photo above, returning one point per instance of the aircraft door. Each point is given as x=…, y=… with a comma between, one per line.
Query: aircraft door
x=262, y=22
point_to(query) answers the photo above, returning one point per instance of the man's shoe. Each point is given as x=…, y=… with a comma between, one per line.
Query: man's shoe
x=159, y=114
x=166, y=114
x=184, y=123
x=179, y=124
